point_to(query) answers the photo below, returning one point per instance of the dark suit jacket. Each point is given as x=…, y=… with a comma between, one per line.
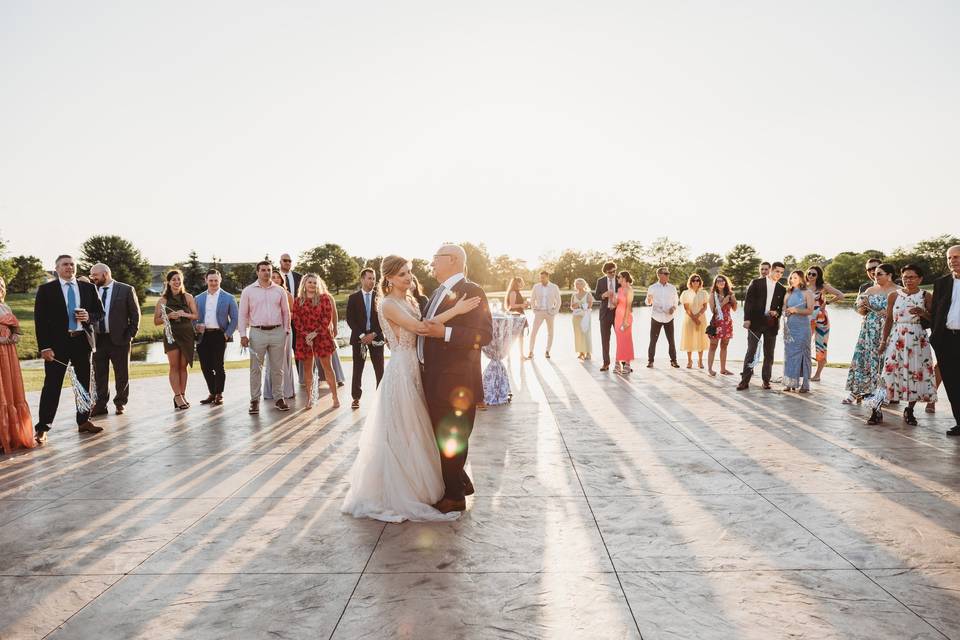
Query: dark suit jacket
x=124, y=314
x=357, y=317
x=50, y=314
x=297, y=277
x=601, y=289
x=942, y=297
x=755, y=303
x=458, y=362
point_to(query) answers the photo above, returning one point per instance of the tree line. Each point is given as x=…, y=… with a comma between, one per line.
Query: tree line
x=341, y=270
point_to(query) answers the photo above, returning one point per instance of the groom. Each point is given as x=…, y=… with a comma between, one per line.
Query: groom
x=450, y=360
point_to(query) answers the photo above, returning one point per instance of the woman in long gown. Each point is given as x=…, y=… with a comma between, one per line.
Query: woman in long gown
x=180, y=310
x=798, y=308
x=623, y=323
x=16, y=427
x=581, y=304
x=694, y=335
x=864, y=374
x=908, y=362
x=396, y=475
x=723, y=303
x=819, y=320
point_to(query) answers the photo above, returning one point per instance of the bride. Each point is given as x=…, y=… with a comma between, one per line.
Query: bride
x=396, y=475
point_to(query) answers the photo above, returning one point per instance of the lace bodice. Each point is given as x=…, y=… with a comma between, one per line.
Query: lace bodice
x=406, y=339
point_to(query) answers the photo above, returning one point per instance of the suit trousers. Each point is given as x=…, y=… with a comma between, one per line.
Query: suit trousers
x=108, y=353
x=77, y=353
x=948, y=359
x=606, y=328
x=539, y=317
x=359, y=361
x=452, y=427
x=262, y=343
x=769, y=345
x=655, y=328
x=210, y=351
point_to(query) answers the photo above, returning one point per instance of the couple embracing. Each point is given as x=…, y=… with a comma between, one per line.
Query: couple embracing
x=413, y=446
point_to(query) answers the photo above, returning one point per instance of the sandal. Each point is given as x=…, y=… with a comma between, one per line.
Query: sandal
x=931, y=407
x=876, y=417
x=909, y=418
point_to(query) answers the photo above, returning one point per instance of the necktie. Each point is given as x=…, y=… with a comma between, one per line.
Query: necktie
x=290, y=283
x=102, y=327
x=366, y=303
x=431, y=310
x=72, y=308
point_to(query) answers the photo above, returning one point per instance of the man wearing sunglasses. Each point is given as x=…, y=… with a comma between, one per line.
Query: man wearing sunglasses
x=606, y=293
x=871, y=267
x=662, y=299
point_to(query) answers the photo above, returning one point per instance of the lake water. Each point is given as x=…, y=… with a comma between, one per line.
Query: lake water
x=844, y=329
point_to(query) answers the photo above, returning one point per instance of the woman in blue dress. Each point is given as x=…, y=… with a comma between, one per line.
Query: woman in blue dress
x=796, y=334
x=864, y=374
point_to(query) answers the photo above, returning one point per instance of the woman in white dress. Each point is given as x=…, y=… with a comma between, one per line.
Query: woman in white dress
x=396, y=475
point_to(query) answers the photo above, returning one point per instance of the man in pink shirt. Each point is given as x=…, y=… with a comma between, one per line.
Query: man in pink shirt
x=265, y=311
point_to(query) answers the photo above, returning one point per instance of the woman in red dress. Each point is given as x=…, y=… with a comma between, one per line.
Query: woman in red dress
x=16, y=428
x=314, y=316
x=722, y=304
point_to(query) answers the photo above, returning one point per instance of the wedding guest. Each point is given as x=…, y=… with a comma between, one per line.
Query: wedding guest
x=762, y=306
x=289, y=391
x=334, y=363
x=515, y=303
x=723, y=304
x=265, y=312
x=545, y=300
x=114, y=333
x=945, y=335
x=416, y=290
x=908, y=362
x=179, y=344
x=796, y=334
x=216, y=323
x=63, y=313
x=871, y=267
x=291, y=280
x=314, y=316
x=663, y=300
x=606, y=293
x=366, y=336
x=864, y=374
x=694, y=334
x=764, y=269
x=581, y=303
x=819, y=320
x=623, y=323
x=16, y=427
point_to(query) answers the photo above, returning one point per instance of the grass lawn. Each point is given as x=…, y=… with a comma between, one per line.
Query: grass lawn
x=33, y=377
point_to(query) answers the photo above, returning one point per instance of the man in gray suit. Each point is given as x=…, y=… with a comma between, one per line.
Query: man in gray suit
x=115, y=333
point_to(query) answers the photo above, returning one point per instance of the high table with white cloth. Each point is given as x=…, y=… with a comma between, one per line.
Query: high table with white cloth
x=496, y=382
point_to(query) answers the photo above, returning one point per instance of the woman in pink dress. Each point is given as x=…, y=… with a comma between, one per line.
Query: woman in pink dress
x=16, y=428
x=623, y=323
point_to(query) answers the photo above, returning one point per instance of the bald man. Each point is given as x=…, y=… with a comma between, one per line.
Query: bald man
x=945, y=335
x=452, y=380
x=114, y=333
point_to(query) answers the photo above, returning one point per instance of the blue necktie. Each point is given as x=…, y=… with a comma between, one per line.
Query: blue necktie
x=72, y=307
x=366, y=303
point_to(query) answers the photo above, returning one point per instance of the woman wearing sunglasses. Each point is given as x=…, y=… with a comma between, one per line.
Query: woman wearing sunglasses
x=819, y=321
x=694, y=335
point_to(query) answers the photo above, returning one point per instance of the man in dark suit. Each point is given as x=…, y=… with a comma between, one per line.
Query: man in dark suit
x=292, y=279
x=366, y=336
x=762, y=308
x=65, y=312
x=945, y=334
x=452, y=380
x=115, y=333
x=606, y=293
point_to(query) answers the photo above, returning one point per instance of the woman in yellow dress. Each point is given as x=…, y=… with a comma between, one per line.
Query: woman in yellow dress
x=694, y=336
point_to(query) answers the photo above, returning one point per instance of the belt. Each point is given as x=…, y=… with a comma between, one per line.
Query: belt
x=265, y=327
x=76, y=334
x=212, y=330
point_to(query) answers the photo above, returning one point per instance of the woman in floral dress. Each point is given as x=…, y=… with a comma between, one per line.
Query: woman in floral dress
x=722, y=305
x=908, y=361
x=314, y=316
x=864, y=374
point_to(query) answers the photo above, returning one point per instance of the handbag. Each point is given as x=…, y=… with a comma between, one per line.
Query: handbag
x=711, y=329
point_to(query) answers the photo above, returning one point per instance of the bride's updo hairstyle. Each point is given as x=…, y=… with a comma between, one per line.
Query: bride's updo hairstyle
x=389, y=267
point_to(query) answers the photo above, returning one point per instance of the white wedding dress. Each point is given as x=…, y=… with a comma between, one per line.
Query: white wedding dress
x=396, y=475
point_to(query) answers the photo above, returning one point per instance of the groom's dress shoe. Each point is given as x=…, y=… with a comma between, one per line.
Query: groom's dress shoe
x=447, y=505
x=468, y=488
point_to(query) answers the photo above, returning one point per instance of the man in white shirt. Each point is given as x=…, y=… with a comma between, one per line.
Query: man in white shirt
x=545, y=302
x=217, y=321
x=662, y=299
x=762, y=308
x=114, y=333
x=366, y=336
x=606, y=293
x=945, y=336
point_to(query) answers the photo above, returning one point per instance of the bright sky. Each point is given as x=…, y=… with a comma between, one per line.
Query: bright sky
x=239, y=128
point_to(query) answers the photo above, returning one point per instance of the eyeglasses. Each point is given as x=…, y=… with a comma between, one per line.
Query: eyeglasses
x=871, y=269
x=811, y=274
x=286, y=260
x=695, y=280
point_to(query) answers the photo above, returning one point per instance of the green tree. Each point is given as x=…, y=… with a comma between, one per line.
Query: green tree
x=126, y=262
x=630, y=256
x=478, y=262
x=790, y=264
x=709, y=261
x=740, y=265
x=194, y=273
x=421, y=269
x=8, y=270
x=241, y=275
x=932, y=255
x=504, y=269
x=332, y=263
x=846, y=271
x=664, y=252
x=29, y=274
x=817, y=259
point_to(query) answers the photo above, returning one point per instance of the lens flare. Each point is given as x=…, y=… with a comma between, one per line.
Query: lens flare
x=461, y=399
x=450, y=447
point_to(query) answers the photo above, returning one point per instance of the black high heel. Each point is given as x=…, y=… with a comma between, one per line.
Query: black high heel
x=909, y=418
x=876, y=417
